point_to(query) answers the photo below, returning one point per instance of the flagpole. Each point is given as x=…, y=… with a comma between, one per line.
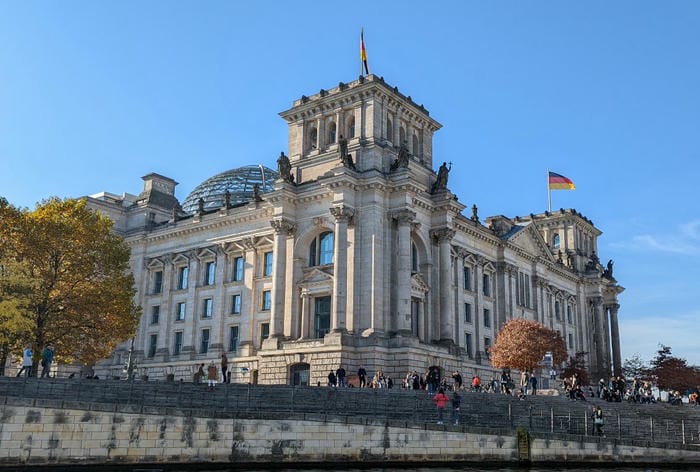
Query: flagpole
x=362, y=33
x=549, y=194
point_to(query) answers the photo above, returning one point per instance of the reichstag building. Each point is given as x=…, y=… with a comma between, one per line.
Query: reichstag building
x=352, y=252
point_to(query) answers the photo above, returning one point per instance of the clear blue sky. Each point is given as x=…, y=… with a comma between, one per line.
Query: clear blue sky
x=94, y=95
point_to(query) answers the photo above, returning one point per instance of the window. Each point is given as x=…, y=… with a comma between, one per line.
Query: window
x=322, y=316
x=264, y=331
x=321, y=250
x=155, y=314
x=467, y=312
x=158, y=281
x=524, y=290
x=182, y=274
x=486, y=285
x=180, y=311
x=233, y=338
x=468, y=344
x=557, y=310
x=237, y=269
x=204, y=344
x=331, y=132
x=487, y=346
x=236, y=304
x=313, y=138
x=527, y=291
x=569, y=318
x=467, y=275
x=556, y=241
x=415, y=145
x=267, y=264
x=209, y=275
x=571, y=341
x=152, y=345
x=402, y=135
x=414, y=258
x=389, y=130
x=177, y=348
x=487, y=318
x=207, y=305
x=351, y=127
x=266, y=300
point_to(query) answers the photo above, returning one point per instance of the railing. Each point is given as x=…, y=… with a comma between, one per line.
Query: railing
x=644, y=425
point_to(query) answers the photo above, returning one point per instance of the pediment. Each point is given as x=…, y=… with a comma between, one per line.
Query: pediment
x=155, y=264
x=530, y=240
x=316, y=276
x=418, y=284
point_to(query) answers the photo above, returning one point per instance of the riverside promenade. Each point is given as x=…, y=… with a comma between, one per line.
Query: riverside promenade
x=71, y=421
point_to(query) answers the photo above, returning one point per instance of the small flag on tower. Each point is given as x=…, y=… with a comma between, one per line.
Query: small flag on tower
x=363, y=53
x=559, y=182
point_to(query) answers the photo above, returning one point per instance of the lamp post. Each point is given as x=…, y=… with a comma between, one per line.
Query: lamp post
x=130, y=362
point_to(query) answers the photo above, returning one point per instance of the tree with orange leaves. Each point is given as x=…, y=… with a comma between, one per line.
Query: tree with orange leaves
x=521, y=344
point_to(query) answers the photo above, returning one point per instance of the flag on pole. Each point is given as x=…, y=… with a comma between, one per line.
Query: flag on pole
x=559, y=182
x=363, y=53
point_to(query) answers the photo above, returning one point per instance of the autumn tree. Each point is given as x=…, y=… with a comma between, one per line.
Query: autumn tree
x=521, y=344
x=671, y=372
x=577, y=365
x=66, y=280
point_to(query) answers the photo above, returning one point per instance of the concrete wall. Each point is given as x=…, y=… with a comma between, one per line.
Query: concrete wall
x=46, y=435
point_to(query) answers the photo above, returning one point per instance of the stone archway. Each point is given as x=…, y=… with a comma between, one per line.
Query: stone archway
x=299, y=374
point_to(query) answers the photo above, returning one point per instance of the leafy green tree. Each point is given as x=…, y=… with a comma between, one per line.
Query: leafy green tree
x=521, y=344
x=634, y=368
x=66, y=281
x=577, y=365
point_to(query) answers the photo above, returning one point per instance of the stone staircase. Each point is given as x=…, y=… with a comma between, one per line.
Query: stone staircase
x=660, y=425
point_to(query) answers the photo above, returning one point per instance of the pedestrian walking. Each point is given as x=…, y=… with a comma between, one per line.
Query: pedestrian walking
x=26, y=362
x=224, y=368
x=533, y=383
x=46, y=361
x=440, y=401
x=598, y=421
x=456, y=405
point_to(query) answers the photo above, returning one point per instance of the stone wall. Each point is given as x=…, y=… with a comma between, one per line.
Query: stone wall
x=44, y=435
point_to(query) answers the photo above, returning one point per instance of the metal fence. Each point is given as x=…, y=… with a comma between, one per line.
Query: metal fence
x=646, y=425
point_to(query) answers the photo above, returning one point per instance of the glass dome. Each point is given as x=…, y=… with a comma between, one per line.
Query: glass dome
x=238, y=182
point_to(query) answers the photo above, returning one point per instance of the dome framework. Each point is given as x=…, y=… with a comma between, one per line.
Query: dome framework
x=240, y=183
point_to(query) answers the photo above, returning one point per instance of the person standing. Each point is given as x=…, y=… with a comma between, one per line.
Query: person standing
x=598, y=421
x=440, y=401
x=340, y=374
x=212, y=375
x=457, y=379
x=26, y=362
x=331, y=379
x=224, y=368
x=362, y=376
x=456, y=405
x=533, y=383
x=46, y=361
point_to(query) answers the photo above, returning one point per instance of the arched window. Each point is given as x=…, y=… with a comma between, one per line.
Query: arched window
x=415, y=146
x=331, y=132
x=555, y=241
x=321, y=249
x=389, y=130
x=351, y=127
x=313, y=138
x=402, y=135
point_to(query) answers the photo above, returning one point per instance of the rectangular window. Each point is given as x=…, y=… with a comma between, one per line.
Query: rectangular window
x=264, y=331
x=233, y=338
x=152, y=345
x=267, y=264
x=236, y=304
x=177, y=348
x=322, y=316
x=182, y=274
x=209, y=275
x=207, y=307
x=204, y=345
x=487, y=346
x=487, y=318
x=527, y=291
x=468, y=344
x=155, y=314
x=467, y=278
x=237, y=269
x=571, y=341
x=486, y=285
x=180, y=312
x=158, y=281
x=266, y=300
x=467, y=312
x=568, y=314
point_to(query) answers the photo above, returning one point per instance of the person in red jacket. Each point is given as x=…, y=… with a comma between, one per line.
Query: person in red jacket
x=440, y=401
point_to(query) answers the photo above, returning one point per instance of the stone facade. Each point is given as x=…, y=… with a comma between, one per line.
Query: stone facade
x=361, y=255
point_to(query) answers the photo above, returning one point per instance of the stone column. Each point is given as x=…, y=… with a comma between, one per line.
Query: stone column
x=444, y=237
x=304, y=316
x=283, y=228
x=615, y=332
x=600, y=347
x=403, y=274
x=341, y=213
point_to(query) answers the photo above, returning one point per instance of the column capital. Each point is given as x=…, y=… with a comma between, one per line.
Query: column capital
x=283, y=226
x=443, y=235
x=249, y=243
x=404, y=216
x=342, y=212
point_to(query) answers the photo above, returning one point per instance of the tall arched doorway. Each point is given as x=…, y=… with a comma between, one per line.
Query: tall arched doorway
x=299, y=374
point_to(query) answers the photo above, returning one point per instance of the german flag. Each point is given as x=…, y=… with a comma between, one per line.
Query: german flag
x=559, y=182
x=363, y=53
